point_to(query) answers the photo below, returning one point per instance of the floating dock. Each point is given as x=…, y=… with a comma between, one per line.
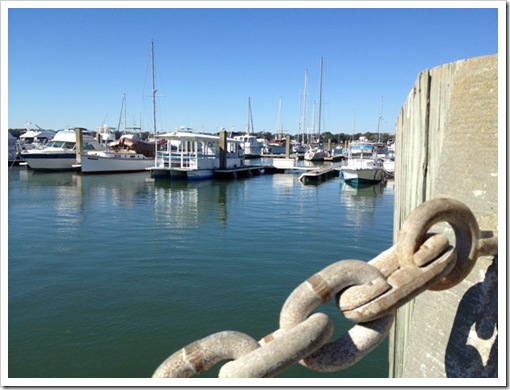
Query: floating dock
x=309, y=176
x=246, y=171
x=318, y=175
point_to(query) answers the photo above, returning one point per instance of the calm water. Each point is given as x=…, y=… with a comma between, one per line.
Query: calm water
x=109, y=275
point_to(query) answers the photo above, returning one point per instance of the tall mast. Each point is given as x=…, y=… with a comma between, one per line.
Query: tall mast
x=305, y=98
x=379, y=121
x=279, y=129
x=250, y=118
x=122, y=113
x=153, y=89
x=313, y=117
x=320, y=103
x=154, y=101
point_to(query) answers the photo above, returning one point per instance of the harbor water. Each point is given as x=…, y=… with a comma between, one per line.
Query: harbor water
x=108, y=275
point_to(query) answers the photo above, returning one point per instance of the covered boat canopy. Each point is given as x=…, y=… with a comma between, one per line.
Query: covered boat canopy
x=187, y=136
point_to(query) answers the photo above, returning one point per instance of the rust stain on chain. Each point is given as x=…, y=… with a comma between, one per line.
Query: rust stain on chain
x=320, y=287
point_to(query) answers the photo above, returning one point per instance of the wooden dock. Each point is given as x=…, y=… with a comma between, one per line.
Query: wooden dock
x=311, y=175
x=245, y=171
x=318, y=175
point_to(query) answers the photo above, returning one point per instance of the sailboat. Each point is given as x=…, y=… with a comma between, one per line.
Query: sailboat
x=278, y=144
x=251, y=145
x=127, y=154
x=317, y=153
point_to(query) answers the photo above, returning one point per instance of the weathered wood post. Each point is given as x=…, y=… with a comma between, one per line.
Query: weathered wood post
x=447, y=146
x=287, y=146
x=223, y=149
x=79, y=144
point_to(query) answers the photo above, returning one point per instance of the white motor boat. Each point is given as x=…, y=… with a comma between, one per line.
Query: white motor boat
x=362, y=165
x=106, y=133
x=251, y=145
x=315, y=154
x=60, y=153
x=34, y=138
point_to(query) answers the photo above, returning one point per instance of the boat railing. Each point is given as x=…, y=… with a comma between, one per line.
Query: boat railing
x=177, y=159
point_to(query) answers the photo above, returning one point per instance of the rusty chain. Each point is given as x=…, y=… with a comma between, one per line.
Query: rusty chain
x=367, y=293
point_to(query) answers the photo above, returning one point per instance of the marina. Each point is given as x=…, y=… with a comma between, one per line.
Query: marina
x=185, y=242
x=104, y=265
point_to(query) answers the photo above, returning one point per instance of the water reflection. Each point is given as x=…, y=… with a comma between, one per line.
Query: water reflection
x=361, y=202
x=64, y=189
x=183, y=204
x=285, y=181
x=114, y=190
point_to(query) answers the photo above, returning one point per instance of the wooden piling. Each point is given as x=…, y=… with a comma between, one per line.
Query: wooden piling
x=223, y=149
x=79, y=144
x=447, y=146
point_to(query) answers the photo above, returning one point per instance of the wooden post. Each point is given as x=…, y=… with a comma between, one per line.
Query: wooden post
x=451, y=108
x=79, y=144
x=223, y=149
x=287, y=146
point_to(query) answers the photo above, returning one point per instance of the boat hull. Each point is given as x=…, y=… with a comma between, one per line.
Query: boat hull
x=50, y=161
x=314, y=156
x=115, y=163
x=276, y=149
x=375, y=175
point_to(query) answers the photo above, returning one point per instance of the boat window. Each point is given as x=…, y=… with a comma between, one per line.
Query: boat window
x=68, y=145
x=88, y=146
x=57, y=144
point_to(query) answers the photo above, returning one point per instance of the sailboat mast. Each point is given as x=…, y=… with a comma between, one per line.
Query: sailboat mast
x=305, y=98
x=279, y=129
x=320, y=104
x=153, y=89
x=122, y=112
x=154, y=100
x=250, y=118
x=379, y=121
x=125, y=116
x=313, y=117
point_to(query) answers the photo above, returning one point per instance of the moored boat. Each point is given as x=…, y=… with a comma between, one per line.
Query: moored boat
x=34, y=138
x=128, y=154
x=60, y=153
x=315, y=153
x=362, y=166
x=197, y=157
x=251, y=145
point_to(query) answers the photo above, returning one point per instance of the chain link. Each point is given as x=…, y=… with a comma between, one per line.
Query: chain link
x=367, y=293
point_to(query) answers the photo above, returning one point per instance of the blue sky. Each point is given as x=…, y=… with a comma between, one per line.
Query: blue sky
x=72, y=66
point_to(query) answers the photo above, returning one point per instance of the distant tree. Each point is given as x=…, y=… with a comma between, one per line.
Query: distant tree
x=265, y=134
x=17, y=132
x=327, y=135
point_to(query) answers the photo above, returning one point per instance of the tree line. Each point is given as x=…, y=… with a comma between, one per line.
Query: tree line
x=338, y=139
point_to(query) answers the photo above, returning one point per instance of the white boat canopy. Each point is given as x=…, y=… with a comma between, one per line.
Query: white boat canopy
x=186, y=136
